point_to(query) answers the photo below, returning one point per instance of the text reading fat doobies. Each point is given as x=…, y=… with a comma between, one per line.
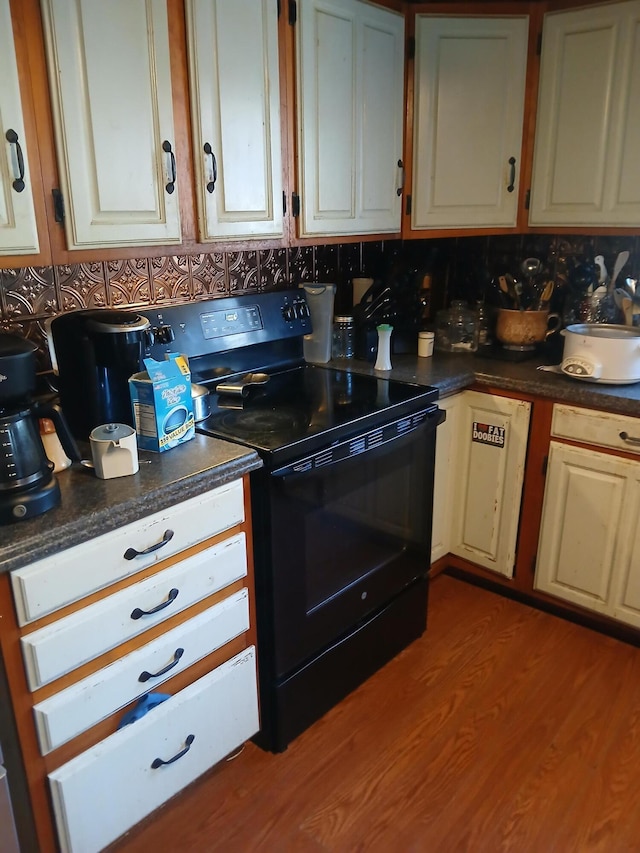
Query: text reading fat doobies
x=488, y=434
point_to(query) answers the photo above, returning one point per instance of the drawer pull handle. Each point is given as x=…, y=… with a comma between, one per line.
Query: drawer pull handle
x=145, y=676
x=629, y=438
x=12, y=138
x=171, y=183
x=159, y=762
x=131, y=553
x=137, y=613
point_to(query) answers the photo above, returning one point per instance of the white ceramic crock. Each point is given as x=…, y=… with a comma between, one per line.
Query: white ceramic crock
x=601, y=353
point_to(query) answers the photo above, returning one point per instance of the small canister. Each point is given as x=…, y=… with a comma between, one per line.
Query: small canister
x=342, y=336
x=425, y=344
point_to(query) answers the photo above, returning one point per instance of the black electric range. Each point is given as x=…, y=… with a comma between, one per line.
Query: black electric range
x=300, y=407
x=340, y=511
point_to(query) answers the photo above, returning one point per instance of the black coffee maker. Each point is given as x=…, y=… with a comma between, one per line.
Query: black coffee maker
x=93, y=353
x=27, y=484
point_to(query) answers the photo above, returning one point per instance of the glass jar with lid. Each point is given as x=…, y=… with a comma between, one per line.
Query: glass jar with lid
x=457, y=328
x=343, y=336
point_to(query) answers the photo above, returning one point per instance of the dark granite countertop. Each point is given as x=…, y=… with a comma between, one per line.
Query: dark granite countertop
x=454, y=372
x=91, y=506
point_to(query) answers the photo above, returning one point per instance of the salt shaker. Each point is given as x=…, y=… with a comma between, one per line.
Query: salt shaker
x=383, y=359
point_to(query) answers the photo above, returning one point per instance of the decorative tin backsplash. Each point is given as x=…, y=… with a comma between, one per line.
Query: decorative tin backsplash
x=462, y=268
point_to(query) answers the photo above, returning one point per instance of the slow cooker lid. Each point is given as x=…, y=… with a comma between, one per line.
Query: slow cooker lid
x=603, y=330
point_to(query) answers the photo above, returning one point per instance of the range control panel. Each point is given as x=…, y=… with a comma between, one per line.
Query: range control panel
x=218, y=325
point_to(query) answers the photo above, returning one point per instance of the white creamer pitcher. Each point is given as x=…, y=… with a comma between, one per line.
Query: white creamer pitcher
x=114, y=450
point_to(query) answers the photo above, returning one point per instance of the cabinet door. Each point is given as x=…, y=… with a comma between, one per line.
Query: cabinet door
x=470, y=76
x=626, y=598
x=18, y=232
x=444, y=482
x=491, y=452
x=586, y=169
x=110, y=84
x=582, y=528
x=235, y=106
x=350, y=117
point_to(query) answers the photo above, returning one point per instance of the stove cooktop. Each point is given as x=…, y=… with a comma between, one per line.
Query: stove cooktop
x=308, y=407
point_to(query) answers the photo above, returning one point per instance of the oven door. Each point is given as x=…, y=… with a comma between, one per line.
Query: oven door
x=349, y=529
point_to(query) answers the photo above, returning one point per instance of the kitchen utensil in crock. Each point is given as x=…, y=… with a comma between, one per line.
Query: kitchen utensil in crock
x=602, y=270
x=621, y=260
x=522, y=330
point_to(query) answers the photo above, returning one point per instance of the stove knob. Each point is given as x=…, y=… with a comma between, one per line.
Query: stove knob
x=288, y=312
x=303, y=310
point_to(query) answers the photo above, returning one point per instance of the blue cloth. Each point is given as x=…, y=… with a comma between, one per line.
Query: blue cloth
x=143, y=705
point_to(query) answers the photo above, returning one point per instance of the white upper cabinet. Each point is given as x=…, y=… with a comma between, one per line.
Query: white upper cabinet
x=469, y=92
x=350, y=61
x=18, y=232
x=110, y=85
x=586, y=169
x=235, y=103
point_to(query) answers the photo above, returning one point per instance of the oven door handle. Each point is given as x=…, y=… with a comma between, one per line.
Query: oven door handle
x=364, y=443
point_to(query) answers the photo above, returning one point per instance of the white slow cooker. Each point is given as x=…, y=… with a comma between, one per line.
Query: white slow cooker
x=602, y=353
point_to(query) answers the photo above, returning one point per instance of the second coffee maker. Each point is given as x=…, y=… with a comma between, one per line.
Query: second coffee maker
x=94, y=352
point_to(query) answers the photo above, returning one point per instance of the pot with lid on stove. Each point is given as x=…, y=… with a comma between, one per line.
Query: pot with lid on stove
x=93, y=353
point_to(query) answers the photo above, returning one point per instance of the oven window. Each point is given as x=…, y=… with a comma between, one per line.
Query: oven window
x=354, y=519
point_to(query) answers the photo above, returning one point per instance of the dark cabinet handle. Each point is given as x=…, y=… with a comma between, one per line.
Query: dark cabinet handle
x=138, y=614
x=211, y=185
x=401, y=187
x=512, y=174
x=630, y=439
x=170, y=185
x=159, y=762
x=12, y=138
x=145, y=676
x=131, y=553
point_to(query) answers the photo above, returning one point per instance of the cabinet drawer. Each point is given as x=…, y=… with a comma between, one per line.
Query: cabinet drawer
x=212, y=717
x=55, y=581
x=599, y=428
x=62, y=646
x=77, y=708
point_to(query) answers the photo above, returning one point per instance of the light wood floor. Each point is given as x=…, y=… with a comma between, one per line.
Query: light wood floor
x=502, y=729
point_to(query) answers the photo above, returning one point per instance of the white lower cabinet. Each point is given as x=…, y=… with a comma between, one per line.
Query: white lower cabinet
x=589, y=546
x=165, y=609
x=105, y=790
x=443, y=483
x=491, y=446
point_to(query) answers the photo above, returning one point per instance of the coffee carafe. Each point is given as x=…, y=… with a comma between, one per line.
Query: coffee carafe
x=27, y=484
